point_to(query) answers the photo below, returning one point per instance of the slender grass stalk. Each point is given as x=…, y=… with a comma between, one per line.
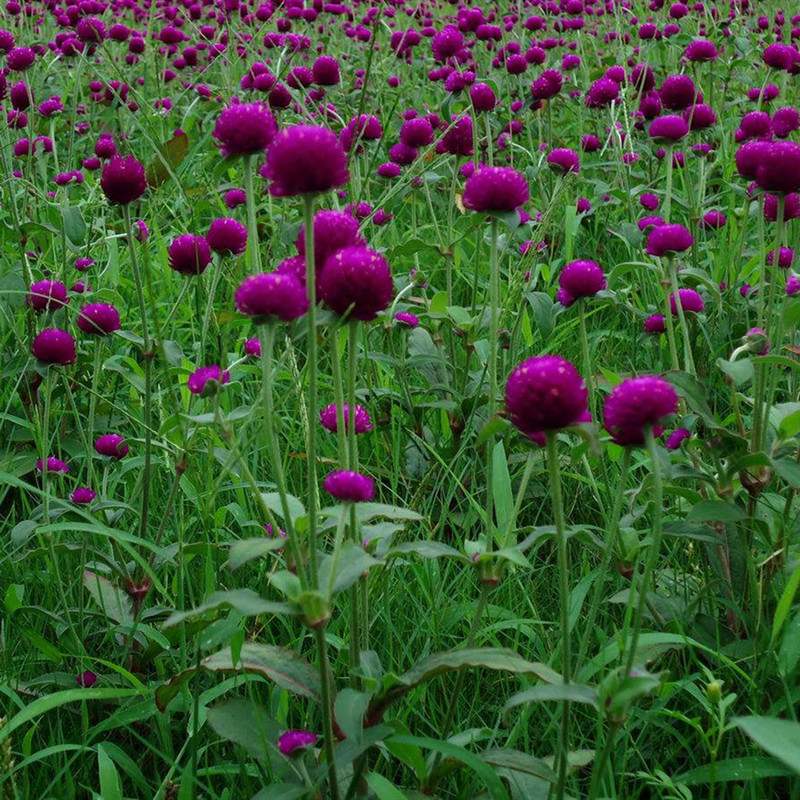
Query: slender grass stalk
x=688, y=359
x=253, y=249
x=775, y=321
x=491, y=408
x=327, y=691
x=587, y=359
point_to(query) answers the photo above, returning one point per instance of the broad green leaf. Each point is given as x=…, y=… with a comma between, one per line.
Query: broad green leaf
x=747, y=768
x=501, y=490
x=383, y=789
x=110, y=787
x=247, y=549
x=114, y=602
x=170, y=155
x=785, y=603
x=505, y=758
x=715, y=511
x=247, y=602
x=349, y=709
x=246, y=724
x=789, y=654
x=573, y=692
x=779, y=737
x=739, y=371
x=426, y=549
x=74, y=226
x=273, y=501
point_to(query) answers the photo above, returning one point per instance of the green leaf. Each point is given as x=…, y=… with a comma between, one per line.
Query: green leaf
x=273, y=502
x=789, y=470
x=543, y=309
x=572, y=692
x=245, y=723
x=785, y=604
x=789, y=654
x=113, y=601
x=110, y=787
x=789, y=426
x=352, y=563
x=693, y=391
x=715, y=511
x=383, y=789
x=247, y=602
x=779, y=737
x=74, y=226
x=426, y=549
x=739, y=371
x=501, y=489
x=247, y=549
x=506, y=758
x=349, y=708
x=747, y=768
x=282, y=666
x=171, y=154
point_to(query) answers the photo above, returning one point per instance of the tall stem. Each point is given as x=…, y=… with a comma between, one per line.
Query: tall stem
x=688, y=359
x=668, y=190
x=338, y=396
x=563, y=592
x=775, y=322
x=494, y=300
x=326, y=680
x=253, y=249
x=669, y=324
x=587, y=359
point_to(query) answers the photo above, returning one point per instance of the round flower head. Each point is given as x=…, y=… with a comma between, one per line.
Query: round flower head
x=691, y=301
x=678, y=91
x=545, y=393
x=18, y=59
x=329, y=421
x=677, y=438
x=47, y=295
x=668, y=129
x=654, y=324
x=333, y=230
x=457, y=139
x=54, y=346
x=785, y=121
x=582, y=278
x=699, y=117
x=638, y=403
x=305, y=159
x=358, y=281
x=757, y=341
x=112, y=445
x=244, y=129
x=206, y=380
x=665, y=239
x=700, y=50
x=482, y=97
x=602, y=92
x=405, y=319
x=749, y=157
x=779, y=170
x=495, y=189
x=785, y=257
x=227, y=236
x=234, y=198
x=791, y=207
x=123, y=180
x=53, y=465
x=82, y=496
x=792, y=285
x=349, y=486
x=563, y=160
x=713, y=219
x=649, y=201
x=189, y=254
x=86, y=679
x=272, y=294
x=295, y=741
x=99, y=319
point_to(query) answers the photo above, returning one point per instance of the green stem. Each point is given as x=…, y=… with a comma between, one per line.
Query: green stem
x=326, y=681
x=563, y=587
x=587, y=359
x=494, y=300
x=673, y=350
x=338, y=396
x=774, y=322
x=687, y=342
x=668, y=191
x=253, y=249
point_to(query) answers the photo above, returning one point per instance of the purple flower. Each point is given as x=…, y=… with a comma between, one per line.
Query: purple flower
x=252, y=347
x=545, y=393
x=333, y=230
x=99, y=319
x=482, y=97
x=140, y=230
x=757, y=341
x=305, y=159
x=83, y=263
x=86, y=679
x=123, y=180
x=785, y=257
x=329, y=420
x=272, y=294
x=691, y=301
x=416, y=132
x=649, y=201
x=602, y=92
x=699, y=117
x=206, y=380
x=779, y=170
x=227, y=236
x=53, y=465
x=582, y=278
x=47, y=296
x=457, y=140
x=189, y=254
x=349, y=486
x=676, y=438
x=295, y=741
x=668, y=239
x=54, y=346
x=325, y=71
x=563, y=160
x=234, y=197
x=82, y=495
x=405, y=319
x=785, y=121
x=244, y=129
x=112, y=445
x=714, y=219
x=18, y=59
x=678, y=91
x=670, y=128
x=792, y=285
x=495, y=189
x=635, y=404
x=358, y=281
x=700, y=50
x=655, y=324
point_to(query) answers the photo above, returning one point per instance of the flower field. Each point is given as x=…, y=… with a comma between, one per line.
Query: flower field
x=399, y=400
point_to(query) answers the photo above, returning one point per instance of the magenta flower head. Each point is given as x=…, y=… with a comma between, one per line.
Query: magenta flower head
x=785, y=257
x=189, y=254
x=655, y=324
x=700, y=50
x=305, y=159
x=665, y=239
x=234, y=197
x=112, y=445
x=636, y=404
x=252, y=347
x=792, y=285
x=207, y=380
x=99, y=319
x=358, y=281
x=582, y=278
x=86, y=679
x=82, y=495
x=123, y=180
x=457, y=139
x=227, y=236
x=244, y=129
x=649, y=201
x=349, y=486
x=779, y=170
x=333, y=230
x=545, y=393
x=563, y=160
x=713, y=219
x=327, y=418
x=678, y=91
x=47, y=296
x=602, y=92
x=18, y=59
x=785, y=121
x=495, y=189
x=295, y=741
x=668, y=129
x=482, y=97
x=53, y=465
x=271, y=295
x=54, y=346
x=405, y=319
x=677, y=438
x=691, y=301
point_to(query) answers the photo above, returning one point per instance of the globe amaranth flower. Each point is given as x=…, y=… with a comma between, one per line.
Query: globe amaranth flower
x=252, y=347
x=234, y=197
x=416, y=133
x=691, y=301
x=83, y=263
x=792, y=285
x=677, y=438
x=545, y=393
x=272, y=294
x=713, y=219
x=654, y=324
x=329, y=421
x=86, y=679
x=563, y=160
x=82, y=495
x=636, y=404
x=582, y=278
x=349, y=486
x=699, y=117
x=495, y=189
x=405, y=319
x=112, y=445
x=206, y=380
x=779, y=167
x=670, y=128
x=305, y=159
x=457, y=139
x=602, y=92
x=325, y=71
x=227, y=236
x=701, y=50
x=99, y=319
x=482, y=97
x=244, y=129
x=53, y=465
x=54, y=346
x=333, y=230
x=47, y=296
x=358, y=281
x=757, y=341
x=785, y=257
x=791, y=207
x=678, y=91
x=785, y=121
x=649, y=201
x=123, y=180
x=670, y=238
x=295, y=741
x=18, y=59
x=189, y=254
